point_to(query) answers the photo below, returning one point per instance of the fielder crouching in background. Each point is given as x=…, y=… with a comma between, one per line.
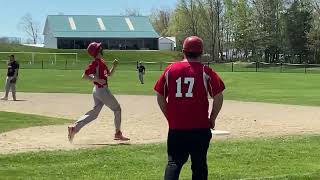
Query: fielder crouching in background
x=12, y=76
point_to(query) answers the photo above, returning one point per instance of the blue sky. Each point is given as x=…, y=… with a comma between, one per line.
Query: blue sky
x=12, y=10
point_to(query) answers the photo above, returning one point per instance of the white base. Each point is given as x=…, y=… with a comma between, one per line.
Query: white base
x=220, y=132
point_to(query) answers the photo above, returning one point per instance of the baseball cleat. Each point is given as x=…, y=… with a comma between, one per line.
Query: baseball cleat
x=71, y=133
x=119, y=137
x=4, y=98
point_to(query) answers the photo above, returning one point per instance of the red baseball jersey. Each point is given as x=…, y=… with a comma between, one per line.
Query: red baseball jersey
x=187, y=86
x=98, y=68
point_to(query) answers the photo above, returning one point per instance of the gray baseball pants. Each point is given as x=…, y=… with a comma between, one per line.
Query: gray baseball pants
x=141, y=77
x=101, y=97
x=9, y=86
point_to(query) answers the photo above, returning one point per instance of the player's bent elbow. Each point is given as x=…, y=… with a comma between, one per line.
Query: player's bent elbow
x=218, y=98
x=161, y=99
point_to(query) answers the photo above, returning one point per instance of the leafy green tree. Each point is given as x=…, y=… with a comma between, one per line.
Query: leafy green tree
x=314, y=34
x=298, y=25
x=160, y=19
x=247, y=28
x=269, y=27
x=243, y=27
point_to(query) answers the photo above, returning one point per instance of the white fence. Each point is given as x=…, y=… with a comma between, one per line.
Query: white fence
x=32, y=55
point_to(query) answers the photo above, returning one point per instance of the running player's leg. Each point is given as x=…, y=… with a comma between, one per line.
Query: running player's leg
x=91, y=115
x=110, y=101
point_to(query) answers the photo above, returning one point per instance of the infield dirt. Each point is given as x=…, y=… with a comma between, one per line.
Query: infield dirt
x=143, y=122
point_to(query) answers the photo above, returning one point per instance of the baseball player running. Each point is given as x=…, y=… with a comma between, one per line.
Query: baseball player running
x=12, y=76
x=98, y=73
x=182, y=94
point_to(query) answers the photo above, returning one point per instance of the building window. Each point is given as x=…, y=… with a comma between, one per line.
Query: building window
x=80, y=44
x=118, y=44
x=151, y=44
x=65, y=43
x=112, y=44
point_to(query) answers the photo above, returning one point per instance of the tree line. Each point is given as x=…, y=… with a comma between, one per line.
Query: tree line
x=271, y=31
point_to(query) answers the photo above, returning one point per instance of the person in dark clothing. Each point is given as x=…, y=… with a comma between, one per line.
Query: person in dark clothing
x=141, y=70
x=12, y=76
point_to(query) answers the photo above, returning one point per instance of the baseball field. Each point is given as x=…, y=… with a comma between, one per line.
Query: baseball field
x=273, y=119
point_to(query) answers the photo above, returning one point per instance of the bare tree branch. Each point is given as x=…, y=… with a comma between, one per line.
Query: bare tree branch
x=132, y=12
x=28, y=25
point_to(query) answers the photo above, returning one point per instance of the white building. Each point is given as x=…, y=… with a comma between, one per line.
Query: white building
x=114, y=32
x=167, y=43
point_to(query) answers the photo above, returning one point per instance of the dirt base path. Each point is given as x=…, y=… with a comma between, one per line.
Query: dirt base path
x=143, y=121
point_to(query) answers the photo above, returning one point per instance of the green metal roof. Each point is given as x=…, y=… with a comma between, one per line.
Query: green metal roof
x=88, y=26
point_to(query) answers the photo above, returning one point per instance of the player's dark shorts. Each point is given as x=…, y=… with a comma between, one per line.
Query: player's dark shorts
x=181, y=144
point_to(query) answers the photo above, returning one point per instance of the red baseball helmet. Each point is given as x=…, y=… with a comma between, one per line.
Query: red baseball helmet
x=193, y=44
x=94, y=48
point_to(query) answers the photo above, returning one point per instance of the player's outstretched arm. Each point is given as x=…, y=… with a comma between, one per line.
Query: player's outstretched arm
x=216, y=107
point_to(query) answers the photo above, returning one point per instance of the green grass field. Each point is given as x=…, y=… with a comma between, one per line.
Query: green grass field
x=273, y=158
x=284, y=158
x=10, y=121
x=285, y=88
x=155, y=60
x=49, y=60
x=270, y=68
